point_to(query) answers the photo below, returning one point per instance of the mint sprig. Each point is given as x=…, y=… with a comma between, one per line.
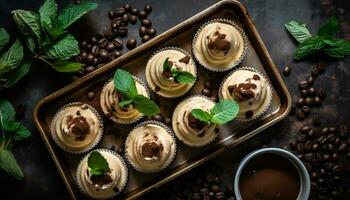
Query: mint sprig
x=97, y=164
x=324, y=41
x=11, y=131
x=179, y=76
x=125, y=84
x=223, y=112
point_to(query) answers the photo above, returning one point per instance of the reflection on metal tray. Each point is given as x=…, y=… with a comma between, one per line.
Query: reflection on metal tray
x=135, y=62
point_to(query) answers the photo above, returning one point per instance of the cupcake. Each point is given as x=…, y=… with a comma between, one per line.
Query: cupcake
x=126, y=106
x=171, y=72
x=77, y=127
x=250, y=89
x=188, y=129
x=102, y=174
x=219, y=45
x=150, y=147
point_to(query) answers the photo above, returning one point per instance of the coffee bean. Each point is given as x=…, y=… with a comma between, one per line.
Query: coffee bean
x=133, y=19
x=122, y=31
x=310, y=80
x=219, y=196
x=145, y=38
x=167, y=120
x=324, y=131
x=332, y=129
x=102, y=43
x=314, y=72
x=321, y=67
x=206, y=92
x=83, y=55
x=338, y=169
x=125, y=18
x=303, y=85
x=89, y=58
x=142, y=31
x=152, y=32
x=83, y=44
x=90, y=95
x=300, y=102
x=286, y=71
x=300, y=115
x=331, y=137
x=196, y=196
x=111, y=15
x=89, y=69
x=315, y=147
x=311, y=133
x=317, y=131
x=292, y=144
x=300, y=148
x=305, y=129
x=134, y=11
x=335, y=157
x=118, y=43
x=302, y=138
x=116, y=54
x=104, y=55
x=312, y=92
x=131, y=43
x=127, y=7
x=308, y=145
x=142, y=14
x=93, y=40
x=309, y=101
x=343, y=130
x=317, y=101
x=204, y=191
x=322, y=139
x=158, y=117
x=95, y=61
x=343, y=147
x=304, y=93
x=330, y=147
x=119, y=12
x=316, y=120
x=306, y=110
x=110, y=47
x=309, y=157
x=215, y=188
x=120, y=150
x=148, y=9
x=146, y=22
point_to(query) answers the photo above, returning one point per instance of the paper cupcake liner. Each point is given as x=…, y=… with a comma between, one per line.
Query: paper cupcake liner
x=62, y=146
x=231, y=66
x=77, y=173
x=137, y=168
x=129, y=121
x=187, y=54
x=269, y=87
x=184, y=142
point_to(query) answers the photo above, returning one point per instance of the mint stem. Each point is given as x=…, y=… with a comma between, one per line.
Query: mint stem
x=46, y=61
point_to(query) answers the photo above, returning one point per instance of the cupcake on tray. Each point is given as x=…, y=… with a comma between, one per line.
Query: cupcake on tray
x=125, y=99
x=171, y=72
x=250, y=89
x=196, y=119
x=219, y=45
x=150, y=147
x=76, y=127
x=102, y=174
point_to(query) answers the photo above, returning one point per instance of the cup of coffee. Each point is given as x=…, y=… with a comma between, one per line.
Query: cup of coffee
x=271, y=173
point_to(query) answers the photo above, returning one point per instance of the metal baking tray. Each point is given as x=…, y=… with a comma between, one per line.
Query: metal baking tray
x=135, y=61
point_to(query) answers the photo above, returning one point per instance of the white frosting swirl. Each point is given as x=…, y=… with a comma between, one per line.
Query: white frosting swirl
x=162, y=85
x=261, y=91
x=136, y=140
x=212, y=57
x=61, y=128
x=181, y=126
x=109, y=104
x=118, y=173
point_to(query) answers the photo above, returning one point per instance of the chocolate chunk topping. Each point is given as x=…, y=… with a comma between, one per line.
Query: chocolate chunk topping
x=151, y=149
x=256, y=77
x=78, y=127
x=167, y=74
x=195, y=123
x=243, y=91
x=219, y=43
x=101, y=180
x=249, y=114
x=185, y=59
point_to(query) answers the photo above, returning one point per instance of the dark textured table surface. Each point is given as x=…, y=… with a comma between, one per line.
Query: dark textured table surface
x=42, y=180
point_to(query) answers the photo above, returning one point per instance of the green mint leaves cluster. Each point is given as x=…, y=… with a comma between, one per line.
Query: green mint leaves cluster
x=126, y=86
x=223, y=112
x=11, y=132
x=324, y=40
x=97, y=164
x=179, y=76
x=12, y=66
x=45, y=35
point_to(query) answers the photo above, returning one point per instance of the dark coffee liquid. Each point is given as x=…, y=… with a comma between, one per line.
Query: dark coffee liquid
x=269, y=177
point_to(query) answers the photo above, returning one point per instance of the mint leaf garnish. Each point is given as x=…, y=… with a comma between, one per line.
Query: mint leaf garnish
x=222, y=112
x=145, y=105
x=64, y=48
x=12, y=57
x=28, y=23
x=324, y=41
x=97, y=164
x=10, y=131
x=48, y=13
x=179, y=76
x=298, y=31
x=4, y=38
x=67, y=66
x=166, y=65
x=125, y=84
